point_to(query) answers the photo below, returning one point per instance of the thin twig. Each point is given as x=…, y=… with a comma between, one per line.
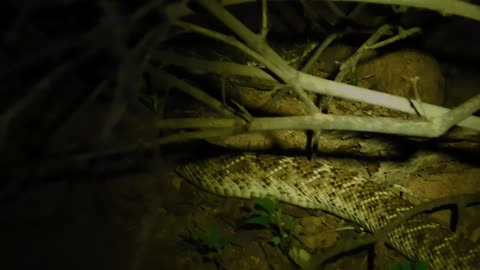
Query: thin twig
x=445, y=7
x=449, y=119
x=172, y=81
x=311, y=15
x=232, y=41
x=56, y=48
x=336, y=10
x=271, y=59
x=320, y=49
x=402, y=33
x=421, y=128
x=40, y=89
x=264, y=31
x=198, y=66
x=414, y=82
x=359, y=8
x=349, y=66
x=174, y=138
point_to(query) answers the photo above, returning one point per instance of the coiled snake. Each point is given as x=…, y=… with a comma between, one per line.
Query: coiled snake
x=319, y=185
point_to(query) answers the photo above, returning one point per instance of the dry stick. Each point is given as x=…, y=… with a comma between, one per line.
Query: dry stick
x=55, y=49
x=172, y=81
x=275, y=63
x=449, y=119
x=379, y=236
x=198, y=66
x=311, y=15
x=358, y=9
x=258, y=42
x=175, y=138
x=232, y=41
x=327, y=87
x=452, y=7
x=128, y=74
x=271, y=59
x=402, y=33
x=337, y=11
x=421, y=128
x=314, y=84
x=320, y=50
x=83, y=105
x=180, y=6
x=264, y=31
x=414, y=83
x=39, y=89
x=93, y=35
x=445, y=7
x=234, y=126
x=316, y=135
x=348, y=67
x=132, y=63
x=238, y=25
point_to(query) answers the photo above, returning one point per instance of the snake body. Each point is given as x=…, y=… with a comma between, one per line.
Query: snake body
x=319, y=185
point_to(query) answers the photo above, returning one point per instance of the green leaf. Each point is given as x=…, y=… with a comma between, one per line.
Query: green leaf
x=288, y=220
x=422, y=265
x=406, y=266
x=284, y=235
x=276, y=240
x=261, y=220
x=260, y=213
x=266, y=203
x=394, y=267
x=214, y=238
x=275, y=203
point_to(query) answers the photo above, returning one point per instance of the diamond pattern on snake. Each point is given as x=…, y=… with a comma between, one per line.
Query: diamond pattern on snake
x=320, y=185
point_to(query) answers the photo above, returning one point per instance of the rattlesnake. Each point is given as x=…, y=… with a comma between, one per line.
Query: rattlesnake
x=319, y=185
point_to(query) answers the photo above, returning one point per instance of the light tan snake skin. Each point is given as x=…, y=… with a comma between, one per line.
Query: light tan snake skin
x=319, y=185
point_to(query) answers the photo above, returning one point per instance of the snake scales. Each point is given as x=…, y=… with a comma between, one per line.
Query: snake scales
x=319, y=185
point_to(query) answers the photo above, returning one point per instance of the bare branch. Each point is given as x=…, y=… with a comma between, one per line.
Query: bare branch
x=445, y=7
x=387, y=125
x=349, y=66
x=198, y=66
x=221, y=37
x=40, y=89
x=327, y=87
x=316, y=85
x=172, y=81
x=402, y=33
x=319, y=51
x=272, y=60
x=264, y=31
x=180, y=137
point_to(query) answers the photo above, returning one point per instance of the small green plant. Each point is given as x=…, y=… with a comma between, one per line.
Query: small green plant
x=210, y=244
x=422, y=265
x=152, y=102
x=269, y=213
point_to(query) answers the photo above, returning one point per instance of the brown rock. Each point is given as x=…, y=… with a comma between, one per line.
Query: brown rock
x=392, y=73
